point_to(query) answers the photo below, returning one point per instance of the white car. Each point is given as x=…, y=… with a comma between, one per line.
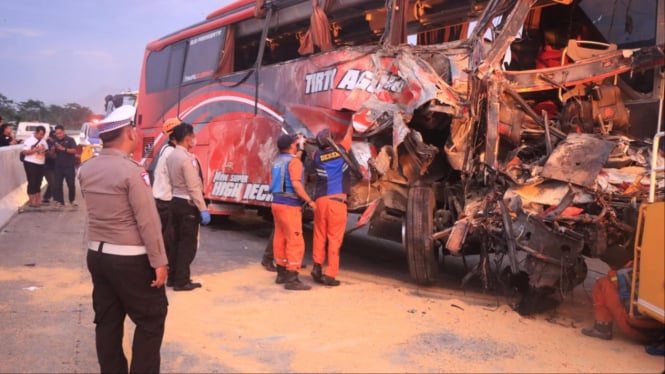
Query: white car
x=25, y=130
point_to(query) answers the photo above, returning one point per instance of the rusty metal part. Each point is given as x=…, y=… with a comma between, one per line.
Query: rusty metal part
x=578, y=159
x=421, y=154
x=563, y=204
x=510, y=240
x=533, y=234
x=510, y=27
x=442, y=234
x=587, y=70
x=458, y=235
x=492, y=136
x=527, y=108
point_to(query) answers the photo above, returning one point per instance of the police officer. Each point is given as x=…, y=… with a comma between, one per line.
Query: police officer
x=330, y=217
x=188, y=207
x=289, y=195
x=126, y=256
x=161, y=191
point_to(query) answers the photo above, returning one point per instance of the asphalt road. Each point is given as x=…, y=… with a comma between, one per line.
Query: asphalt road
x=240, y=321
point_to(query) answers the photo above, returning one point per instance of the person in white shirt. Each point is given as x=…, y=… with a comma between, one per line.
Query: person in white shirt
x=34, y=151
x=161, y=191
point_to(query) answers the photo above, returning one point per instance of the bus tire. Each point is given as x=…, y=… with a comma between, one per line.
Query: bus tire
x=418, y=231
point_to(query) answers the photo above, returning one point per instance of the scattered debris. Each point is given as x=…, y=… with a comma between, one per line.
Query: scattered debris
x=456, y=306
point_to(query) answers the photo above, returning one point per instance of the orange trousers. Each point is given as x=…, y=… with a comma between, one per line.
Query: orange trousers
x=329, y=227
x=608, y=307
x=288, y=244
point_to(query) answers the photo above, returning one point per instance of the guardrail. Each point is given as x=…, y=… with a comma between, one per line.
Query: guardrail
x=13, y=192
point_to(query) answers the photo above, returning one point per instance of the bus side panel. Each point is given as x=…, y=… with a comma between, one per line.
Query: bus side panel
x=239, y=157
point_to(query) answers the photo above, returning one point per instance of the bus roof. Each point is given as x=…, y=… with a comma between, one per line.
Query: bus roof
x=231, y=7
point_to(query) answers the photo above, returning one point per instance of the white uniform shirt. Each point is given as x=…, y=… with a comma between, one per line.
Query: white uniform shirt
x=161, y=185
x=35, y=158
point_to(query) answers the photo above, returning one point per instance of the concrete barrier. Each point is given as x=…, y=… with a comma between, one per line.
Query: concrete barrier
x=13, y=192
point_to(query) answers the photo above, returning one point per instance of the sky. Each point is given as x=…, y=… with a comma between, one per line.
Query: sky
x=78, y=51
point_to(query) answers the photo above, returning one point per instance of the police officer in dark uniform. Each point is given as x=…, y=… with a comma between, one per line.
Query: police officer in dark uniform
x=126, y=256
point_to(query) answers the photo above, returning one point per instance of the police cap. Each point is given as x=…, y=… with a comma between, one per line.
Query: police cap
x=118, y=118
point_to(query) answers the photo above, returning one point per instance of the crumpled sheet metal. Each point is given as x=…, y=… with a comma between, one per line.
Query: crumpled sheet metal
x=533, y=197
x=578, y=159
x=423, y=86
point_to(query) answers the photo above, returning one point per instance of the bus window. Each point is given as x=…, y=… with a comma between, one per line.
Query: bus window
x=203, y=54
x=629, y=25
x=177, y=59
x=163, y=68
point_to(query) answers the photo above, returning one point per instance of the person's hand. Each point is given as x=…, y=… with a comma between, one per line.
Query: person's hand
x=205, y=217
x=160, y=276
x=60, y=147
x=312, y=205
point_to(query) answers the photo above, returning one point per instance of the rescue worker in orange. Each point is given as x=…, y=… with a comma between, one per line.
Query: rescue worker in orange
x=330, y=216
x=611, y=298
x=289, y=196
x=126, y=256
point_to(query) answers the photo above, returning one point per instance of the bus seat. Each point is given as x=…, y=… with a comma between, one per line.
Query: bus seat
x=581, y=49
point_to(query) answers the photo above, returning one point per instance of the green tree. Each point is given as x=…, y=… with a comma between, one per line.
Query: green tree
x=32, y=110
x=7, y=109
x=71, y=115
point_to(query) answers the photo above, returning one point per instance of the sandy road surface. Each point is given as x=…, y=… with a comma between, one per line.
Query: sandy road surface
x=240, y=321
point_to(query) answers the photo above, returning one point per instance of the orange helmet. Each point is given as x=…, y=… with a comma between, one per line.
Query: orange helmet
x=170, y=124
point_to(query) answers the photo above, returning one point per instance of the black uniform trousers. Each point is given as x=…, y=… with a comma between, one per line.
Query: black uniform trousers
x=164, y=210
x=49, y=174
x=121, y=286
x=34, y=173
x=61, y=174
x=185, y=221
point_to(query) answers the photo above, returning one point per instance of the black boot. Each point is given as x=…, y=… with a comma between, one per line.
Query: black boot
x=281, y=275
x=293, y=283
x=316, y=272
x=268, y=264
x=600, y=330
x=329, y=281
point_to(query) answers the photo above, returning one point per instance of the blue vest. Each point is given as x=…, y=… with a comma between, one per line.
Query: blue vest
x=331, y=172
x=281, y=186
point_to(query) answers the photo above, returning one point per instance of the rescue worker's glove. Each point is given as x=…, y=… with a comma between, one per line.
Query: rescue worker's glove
x=205, y=217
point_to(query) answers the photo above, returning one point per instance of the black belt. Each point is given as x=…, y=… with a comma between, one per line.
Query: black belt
x=339, y=199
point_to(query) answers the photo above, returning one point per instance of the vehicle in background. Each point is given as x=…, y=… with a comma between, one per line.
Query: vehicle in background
x=112, y=102
x=530, y=163
x=89, y=141
x=25, y=130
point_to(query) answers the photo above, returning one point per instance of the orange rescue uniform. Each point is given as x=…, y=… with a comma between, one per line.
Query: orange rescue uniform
x=607, y=307
x=288, y=242
x=330, y=217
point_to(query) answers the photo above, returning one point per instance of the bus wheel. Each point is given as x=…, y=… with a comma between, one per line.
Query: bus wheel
x=418, y=231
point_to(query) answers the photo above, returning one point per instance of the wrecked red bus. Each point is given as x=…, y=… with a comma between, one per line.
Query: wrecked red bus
x=510, y=129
